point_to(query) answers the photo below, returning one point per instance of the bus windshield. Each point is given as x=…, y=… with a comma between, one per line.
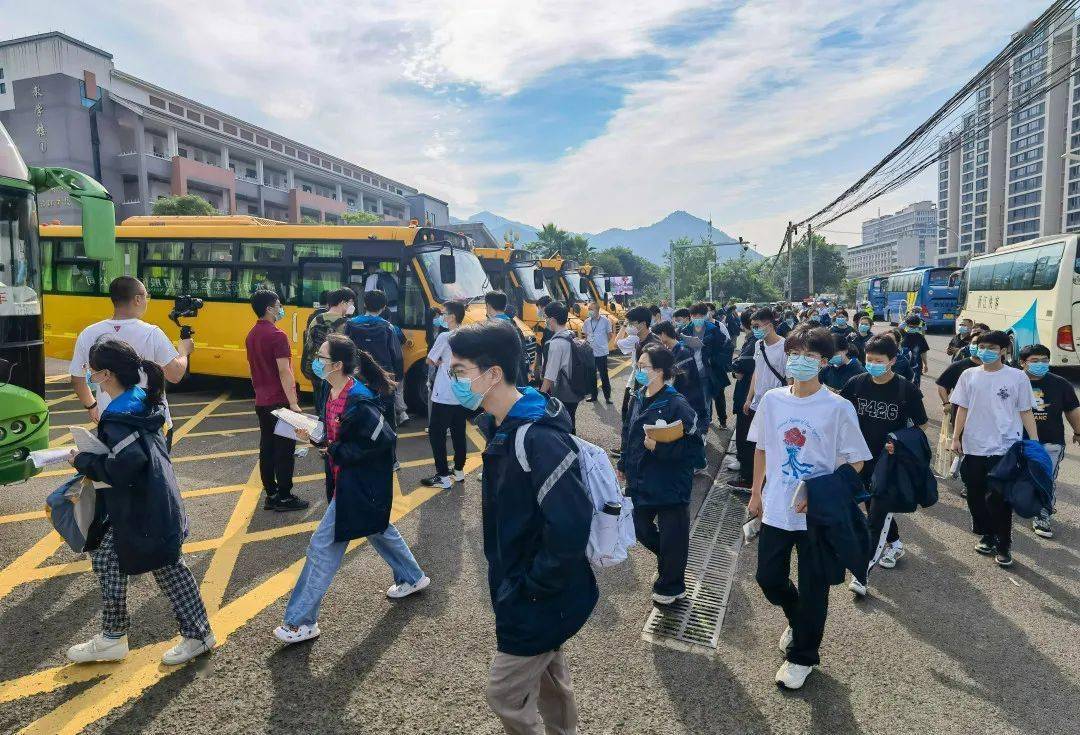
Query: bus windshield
x=470, y=282
x=573, y=281
x=940, y=276
x=20, y=276
x=600, y=281
x=526, y=275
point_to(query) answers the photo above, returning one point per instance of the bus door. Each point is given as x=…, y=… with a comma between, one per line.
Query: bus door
x=383, y=274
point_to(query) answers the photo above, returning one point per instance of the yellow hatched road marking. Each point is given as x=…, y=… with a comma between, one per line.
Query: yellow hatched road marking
x=56, y=379
x=187, y=458
x=195, y=420
x=13, y=573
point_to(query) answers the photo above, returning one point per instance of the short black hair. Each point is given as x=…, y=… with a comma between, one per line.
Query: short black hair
x=374, y=301
x=883, y=345
x=699, y=309
x=489, y=344
x=1032, y=350
x=995, y=337
x=654, y=309
x=867, y=317
x=665, y=329
x=661, y=359
x=912, y=319
x=543, y=301
x=710, y=306
x=639, y=315
x=124, y=289
x=557, y=310
x=764, y=314
x=842, y=345
x=744, y=319
x=983, y=327
x=496, y=300
x=340, y=295
x=967, y=319
x=262, y=300
x=456, y=308
x=682, y=313
x=818, y=340
x=842, y=312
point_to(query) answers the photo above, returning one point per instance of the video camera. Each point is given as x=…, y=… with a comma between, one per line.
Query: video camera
x=185, y=306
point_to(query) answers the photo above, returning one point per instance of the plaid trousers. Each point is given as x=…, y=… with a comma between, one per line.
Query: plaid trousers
x=175, y=580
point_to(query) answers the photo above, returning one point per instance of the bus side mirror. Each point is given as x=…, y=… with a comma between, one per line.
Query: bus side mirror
x=538, y=280
x=447, y=268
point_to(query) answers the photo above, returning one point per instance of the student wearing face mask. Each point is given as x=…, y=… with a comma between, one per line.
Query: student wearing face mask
x=862, y=335
x=270, y=361
x=447, y=414
x=884, y=403
x=686, y=378
x=632, y=339
x=914, y=347
x=961, y=339
x=659, y=475
x=800, y=432
x=843, y=365
x=712, y=354
x=994, y=403
x=358, y=449
x=841, y=327
x=339, y=306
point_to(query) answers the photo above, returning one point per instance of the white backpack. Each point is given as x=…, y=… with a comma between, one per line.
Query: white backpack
x=610, y=535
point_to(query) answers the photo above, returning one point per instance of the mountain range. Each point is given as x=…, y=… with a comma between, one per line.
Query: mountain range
x=649, y=242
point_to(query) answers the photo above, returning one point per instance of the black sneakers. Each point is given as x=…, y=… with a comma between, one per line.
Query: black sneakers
x=987, y=545
x=283, y=503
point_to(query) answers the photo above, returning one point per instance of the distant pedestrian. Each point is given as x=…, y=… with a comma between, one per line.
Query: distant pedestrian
x=374, y=335
x=447, y=413
x=915, y=348
x=269, y=358
x=340, y=304
x=597, y=330
x=558, y=359
x=961, y=339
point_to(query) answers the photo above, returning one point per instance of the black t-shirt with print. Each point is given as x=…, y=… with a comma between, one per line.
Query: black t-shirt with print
x=916, y=344
x=1054, y=396
x=883, y=409
x=958, y=341
x=950, y=376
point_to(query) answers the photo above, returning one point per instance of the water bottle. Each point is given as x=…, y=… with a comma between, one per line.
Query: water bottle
x=954, y=470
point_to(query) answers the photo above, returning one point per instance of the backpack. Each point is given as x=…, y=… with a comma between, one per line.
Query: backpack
x=318, y=329
x=581, y=378
x=377, y=340
x=610, y=535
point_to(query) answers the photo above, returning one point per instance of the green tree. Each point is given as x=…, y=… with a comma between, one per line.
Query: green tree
x=830, y=270
x=744, y=280
x=848, y=292
x=360, y=218
x=307, y=219
x=549, y=240
x=189, y=205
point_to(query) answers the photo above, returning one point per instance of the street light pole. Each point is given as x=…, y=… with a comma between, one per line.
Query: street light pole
x=671, y=268
x=710, y=280
x=810, y=259
x=789, y=237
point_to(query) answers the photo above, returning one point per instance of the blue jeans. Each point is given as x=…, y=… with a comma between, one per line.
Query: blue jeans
x=324, y=556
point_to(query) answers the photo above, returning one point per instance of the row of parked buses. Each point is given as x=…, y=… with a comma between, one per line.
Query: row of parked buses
x=1026, y=290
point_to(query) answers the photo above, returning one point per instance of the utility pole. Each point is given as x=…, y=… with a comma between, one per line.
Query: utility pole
x=788, y=238
x=810, y=259
x=710, y=280
x=671, y=268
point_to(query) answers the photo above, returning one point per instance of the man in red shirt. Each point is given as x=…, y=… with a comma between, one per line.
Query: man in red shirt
x=270, y=359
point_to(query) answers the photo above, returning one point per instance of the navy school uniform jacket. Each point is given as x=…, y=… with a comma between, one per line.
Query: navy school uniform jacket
x=376, y=336
x=836, y=525
x=363, y=452
x=716, y=352
x=142, y=502
x=1025, y=478
x=903, y=481
x=903, y=368
x=663, y=476
x=689, y=383
x=837, y=377
x=536, y=528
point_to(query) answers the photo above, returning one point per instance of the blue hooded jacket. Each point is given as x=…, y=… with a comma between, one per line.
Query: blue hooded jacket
x=1025, y=478
x=688, y=381
x=536, y=528
x=836, y=526
x=903, y=481
x=142, y=501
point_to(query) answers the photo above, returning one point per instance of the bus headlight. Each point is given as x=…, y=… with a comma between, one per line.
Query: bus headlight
x=3, y=433
x=18, y=427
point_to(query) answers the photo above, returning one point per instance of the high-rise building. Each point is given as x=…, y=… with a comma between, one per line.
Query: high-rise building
x=66, y=104
x=1001, y=175
x=893, y=242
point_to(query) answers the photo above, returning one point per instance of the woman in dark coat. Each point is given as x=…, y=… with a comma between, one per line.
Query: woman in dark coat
x=143, y=525
x=659, y=475
x=359, y=452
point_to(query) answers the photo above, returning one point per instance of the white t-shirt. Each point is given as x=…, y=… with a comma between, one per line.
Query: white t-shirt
x=148, y=340
x=763, y=376
x=994, y=401
x=627, y=345
x=597, y=331
x=441, y=391
x=802, y=438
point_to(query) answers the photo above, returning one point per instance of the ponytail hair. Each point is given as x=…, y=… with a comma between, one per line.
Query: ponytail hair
x=120, y=358
x=353, y=360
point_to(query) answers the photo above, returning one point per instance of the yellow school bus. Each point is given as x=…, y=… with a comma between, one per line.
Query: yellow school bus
x=223, y=260
x=516, y=273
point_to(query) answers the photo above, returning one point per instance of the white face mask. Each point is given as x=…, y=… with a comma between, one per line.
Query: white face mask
x=350, y=309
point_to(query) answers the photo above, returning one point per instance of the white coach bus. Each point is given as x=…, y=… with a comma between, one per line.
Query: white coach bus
x=1030, y=290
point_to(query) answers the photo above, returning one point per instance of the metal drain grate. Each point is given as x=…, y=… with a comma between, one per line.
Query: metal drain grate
x=693, y=623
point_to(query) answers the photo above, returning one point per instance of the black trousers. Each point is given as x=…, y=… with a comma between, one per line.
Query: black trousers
x=875, y=512
x=721, y=406
x=602, y=374
x=276, y=458
x=389, y=412
x=446, y=417
x=665, y=531
x=805, y=606
x=744, y=450
x=990, y=514
x=571, y=408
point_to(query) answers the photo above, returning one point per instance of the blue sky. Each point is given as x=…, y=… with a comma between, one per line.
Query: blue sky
x=604, y=114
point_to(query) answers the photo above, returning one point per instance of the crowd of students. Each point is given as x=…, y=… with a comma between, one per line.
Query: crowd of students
x=828, y=435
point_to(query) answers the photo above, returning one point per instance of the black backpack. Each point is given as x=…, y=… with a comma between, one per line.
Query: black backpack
x=377, y=340
x=318, y=329
x=582, y=377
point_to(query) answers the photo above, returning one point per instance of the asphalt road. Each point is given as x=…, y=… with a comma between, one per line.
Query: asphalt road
x=946, y=643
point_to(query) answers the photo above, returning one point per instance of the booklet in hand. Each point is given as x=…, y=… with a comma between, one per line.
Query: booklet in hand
x=664, y=433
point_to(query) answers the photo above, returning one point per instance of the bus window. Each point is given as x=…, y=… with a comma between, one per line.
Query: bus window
x=1023, y=270
x=278, y=280
x=210, y=282
x=263, y=252
x=470, y=281
x=940, y=276
x=1046, y=269
x=163, y=281
x=77, y=276
x=316, y=250
x=1002, y=274
x=981, y=271
x=216, y=252
x=369, y=275
x=412, y=308
x=163, y=250
x=319, y=276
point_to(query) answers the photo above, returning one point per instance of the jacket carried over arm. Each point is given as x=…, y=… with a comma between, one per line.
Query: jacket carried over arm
x=903, y=481
x=665, y=475
x=836, y=526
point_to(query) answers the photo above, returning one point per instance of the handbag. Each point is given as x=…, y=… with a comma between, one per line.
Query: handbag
x=72, y=509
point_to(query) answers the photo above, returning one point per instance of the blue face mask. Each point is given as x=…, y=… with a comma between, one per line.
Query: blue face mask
x=836, y=360
x=440, y=322
x=642, y=377
x=973, y=350
x=95, y=387
x=318, y=366
x=698, y=322
x=989, y=355
x=803, y=367
x=876, y=369
x=841, y=321
x=465, y=395
x=963, y=330
x=864, y=329
x=280, y=314
x=758, y=332
x=1038, y=369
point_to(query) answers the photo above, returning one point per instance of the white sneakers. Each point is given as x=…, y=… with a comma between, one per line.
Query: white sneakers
x=288, y=634
x=403, y=417
x=667, y=599
x=99, y=648
x=792, y=676
x=857, y=587
x=890, y=555
x=786, y=639
x=440, y=481
x=187, y=649
x=459, y=475
x=404, y=589
x=732, y=463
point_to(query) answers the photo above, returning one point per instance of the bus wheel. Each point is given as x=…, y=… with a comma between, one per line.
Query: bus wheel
x=416, y=388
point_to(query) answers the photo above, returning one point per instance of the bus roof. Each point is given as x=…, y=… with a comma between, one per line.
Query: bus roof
x=1017, y=247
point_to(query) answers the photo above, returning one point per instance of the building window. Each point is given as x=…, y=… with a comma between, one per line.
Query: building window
x=302, y=156
x=289, y=151
x=246, y=135
x=3, y=87
x=275, y=145
x=211, y=122
x=176, y=109
x=229, y=129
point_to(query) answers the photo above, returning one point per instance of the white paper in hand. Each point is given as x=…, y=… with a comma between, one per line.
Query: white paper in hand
x=49, y=457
